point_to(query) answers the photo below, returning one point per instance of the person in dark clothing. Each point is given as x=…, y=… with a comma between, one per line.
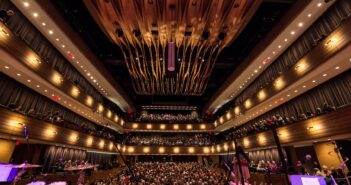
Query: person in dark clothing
x=5, y=15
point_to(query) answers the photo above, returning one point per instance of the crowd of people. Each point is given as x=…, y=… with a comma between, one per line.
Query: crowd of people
x=265, y=123
x=173, y=140
x=57, y=118
x=155, y=173
x=169, y=117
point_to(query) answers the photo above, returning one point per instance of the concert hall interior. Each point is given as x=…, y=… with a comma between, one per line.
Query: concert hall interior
x=175, y=92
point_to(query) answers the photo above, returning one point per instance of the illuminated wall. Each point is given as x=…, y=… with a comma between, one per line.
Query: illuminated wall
x=6, y=151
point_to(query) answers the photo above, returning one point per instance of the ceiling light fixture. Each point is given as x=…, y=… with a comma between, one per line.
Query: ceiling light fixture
x=292, y=32
x=26, y=4
x=7, y=67
x=51, y=32
x=300, y=24
x=35, y=14
x=309, y=15
x=43, y=24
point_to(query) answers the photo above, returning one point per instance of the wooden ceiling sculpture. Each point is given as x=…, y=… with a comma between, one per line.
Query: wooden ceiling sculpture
x=171, y=46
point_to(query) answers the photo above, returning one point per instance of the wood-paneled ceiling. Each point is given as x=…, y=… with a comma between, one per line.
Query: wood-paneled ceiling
x=235, y=46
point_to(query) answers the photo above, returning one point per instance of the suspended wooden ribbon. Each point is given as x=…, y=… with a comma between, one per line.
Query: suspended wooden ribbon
x=198, y=29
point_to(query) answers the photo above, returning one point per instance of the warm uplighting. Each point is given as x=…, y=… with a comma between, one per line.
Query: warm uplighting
x=189, y=127
x=221, y=120
x=262, y=95
x=176, y=150
x=206, y=150
x=237, y=110
x=191, y=150
x=75, y=91
x=247, y=104
x=135, y=125
x=57, y=78
x=279, y=83
x=100, y=108
x=74, y=137
x=111, y=146
x=50, y=132
x=109, y=113
x=225, y=146
x=215, y=123
x=149, y=126
x=122, y=122
x=102, y=143
x=202, y=126
x=212, y=149
x=261, y=139
x=176, y=127
x=161, y=150
x=228, y=116
x=218, y=148
x=246, y=142
x=116, y=118
x=162, y=126
x=89, y=101
x=90, y=141
x=146, y=149
x=131, y=149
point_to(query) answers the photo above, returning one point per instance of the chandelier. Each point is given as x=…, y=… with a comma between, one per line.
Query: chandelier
x=170, y=46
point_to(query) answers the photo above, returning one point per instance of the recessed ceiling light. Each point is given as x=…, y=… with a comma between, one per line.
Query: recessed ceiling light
x=313, y=81
x=88, y=74
x=285, y=40
x=292, y=32
x=91, y=77
x=288, y=95
x=304, y=86
x=81, y=66
x=26, y=4
x=337, y=67
x=77, y=62
x=45, y=90
x=300, y=24
x=35, y=14
x=279, y=46
x=7, y=67
x=319, y=4
x=43, y=23
x=18, y=74
x=63, y=46
x=324, y=74
x=38, y=86
x=296, y=91
x=94, y=80
x=256, y=71
x=309, y=15
x=259, y=67
x=51, y=32
x=57, y=39
x=29, y=81
x=273, y=52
